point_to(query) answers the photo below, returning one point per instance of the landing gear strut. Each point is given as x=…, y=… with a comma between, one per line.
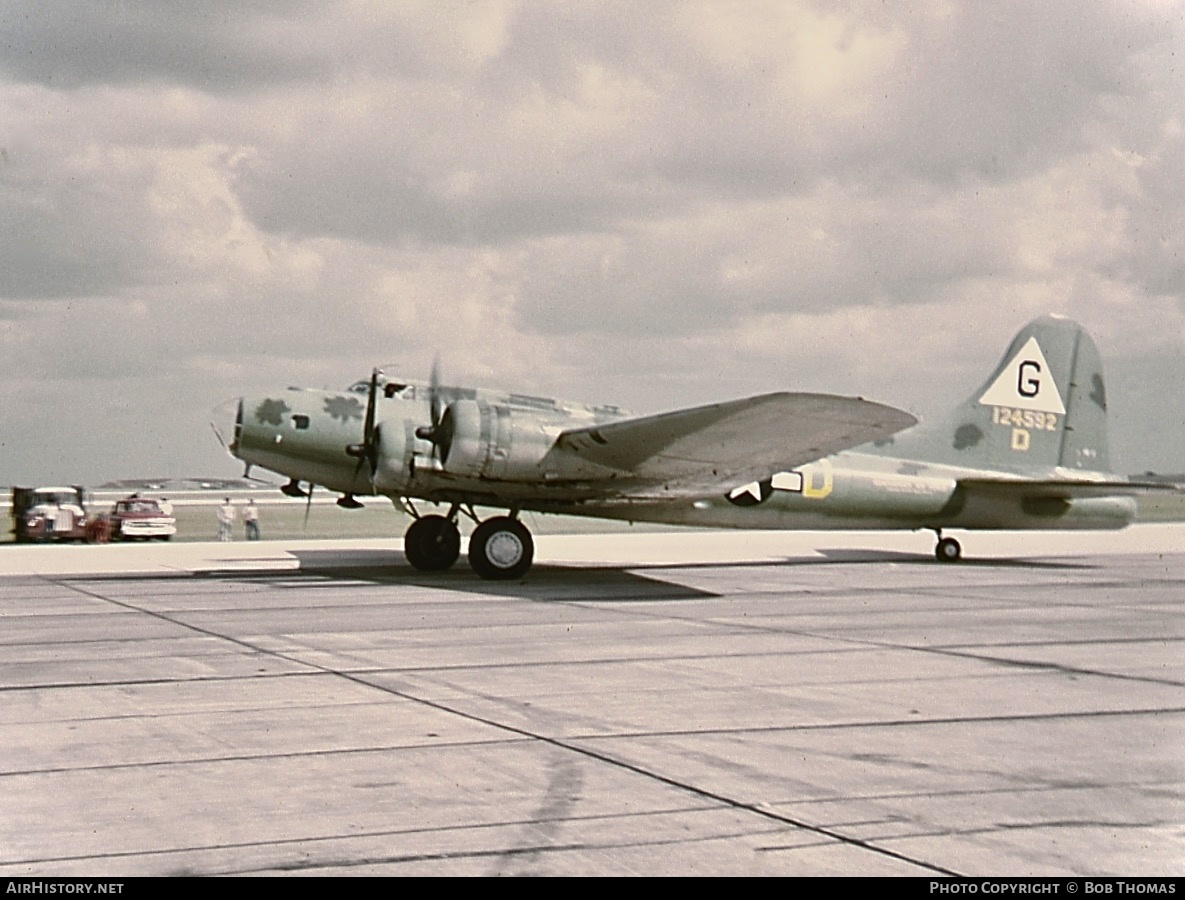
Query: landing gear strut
x=948, y=549
x=500, y=549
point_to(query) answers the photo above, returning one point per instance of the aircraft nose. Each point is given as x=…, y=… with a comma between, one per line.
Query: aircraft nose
x=227, y=421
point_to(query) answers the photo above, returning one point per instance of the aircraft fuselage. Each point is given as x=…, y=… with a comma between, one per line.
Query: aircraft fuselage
x=303, y=434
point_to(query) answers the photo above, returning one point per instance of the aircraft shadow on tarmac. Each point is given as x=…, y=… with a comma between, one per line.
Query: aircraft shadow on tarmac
x=849, y=555
x=618, y=583
x=545, y=582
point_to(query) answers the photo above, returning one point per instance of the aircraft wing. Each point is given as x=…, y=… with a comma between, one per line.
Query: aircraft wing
x=725, y=442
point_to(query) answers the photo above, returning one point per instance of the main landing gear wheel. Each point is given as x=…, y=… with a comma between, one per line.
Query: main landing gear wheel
x=501, y=549
x=432, y=543
x=948, y=550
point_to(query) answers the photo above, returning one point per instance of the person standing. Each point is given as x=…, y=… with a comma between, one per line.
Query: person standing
x=226, y=519
x=251, y=520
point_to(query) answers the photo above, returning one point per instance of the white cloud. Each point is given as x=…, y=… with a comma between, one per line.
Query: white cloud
x=648, y=204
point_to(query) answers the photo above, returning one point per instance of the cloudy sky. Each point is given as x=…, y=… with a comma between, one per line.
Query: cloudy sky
x=649, y=204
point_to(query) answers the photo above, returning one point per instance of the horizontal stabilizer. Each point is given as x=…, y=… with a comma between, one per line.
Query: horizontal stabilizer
x=722, y=442
x=1064, y=488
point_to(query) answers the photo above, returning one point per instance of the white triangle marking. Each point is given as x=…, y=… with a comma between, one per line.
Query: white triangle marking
x=752, y=488
x=1026, y=383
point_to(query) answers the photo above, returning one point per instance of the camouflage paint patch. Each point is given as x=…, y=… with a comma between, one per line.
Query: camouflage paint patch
x=272, y=412
x=1098, y=392
x=344, y=408
x=967, y=436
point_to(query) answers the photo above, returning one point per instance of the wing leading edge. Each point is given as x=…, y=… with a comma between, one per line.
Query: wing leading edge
x=738, y=440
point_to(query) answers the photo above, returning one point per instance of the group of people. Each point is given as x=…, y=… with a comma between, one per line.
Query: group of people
x=227, y=515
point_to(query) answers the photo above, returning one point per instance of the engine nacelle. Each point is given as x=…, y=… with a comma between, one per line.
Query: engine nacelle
x=496, y=442
x=395, y=447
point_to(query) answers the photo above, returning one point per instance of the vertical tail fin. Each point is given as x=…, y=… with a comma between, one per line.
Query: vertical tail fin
x=1044, y=407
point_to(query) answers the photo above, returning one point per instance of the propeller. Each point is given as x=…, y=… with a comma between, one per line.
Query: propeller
x=308, y=506
x=436, y=400
x=368, y=450
x=440, y=432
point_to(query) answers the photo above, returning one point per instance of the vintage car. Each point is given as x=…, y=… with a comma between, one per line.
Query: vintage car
x=136, y=518
x=49, y=514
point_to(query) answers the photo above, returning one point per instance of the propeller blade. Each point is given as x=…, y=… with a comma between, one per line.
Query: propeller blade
x=443, y=441
x=437, y=411
x=434, y=392
x=368, y=428
x=368, y=449
x=372, y=455
x=308, y=506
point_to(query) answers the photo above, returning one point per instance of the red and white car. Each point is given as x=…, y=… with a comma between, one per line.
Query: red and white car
x=141, y=518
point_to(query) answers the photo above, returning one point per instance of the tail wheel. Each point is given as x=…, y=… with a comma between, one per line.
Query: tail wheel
x=948, y=550
x=501, y=549
x=432, y=543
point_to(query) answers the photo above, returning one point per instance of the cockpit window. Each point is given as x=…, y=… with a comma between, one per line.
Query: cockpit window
x=300, y=421
x=390, y=388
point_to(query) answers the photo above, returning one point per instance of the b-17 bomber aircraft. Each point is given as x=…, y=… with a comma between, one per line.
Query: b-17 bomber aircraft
x=1027, y=450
